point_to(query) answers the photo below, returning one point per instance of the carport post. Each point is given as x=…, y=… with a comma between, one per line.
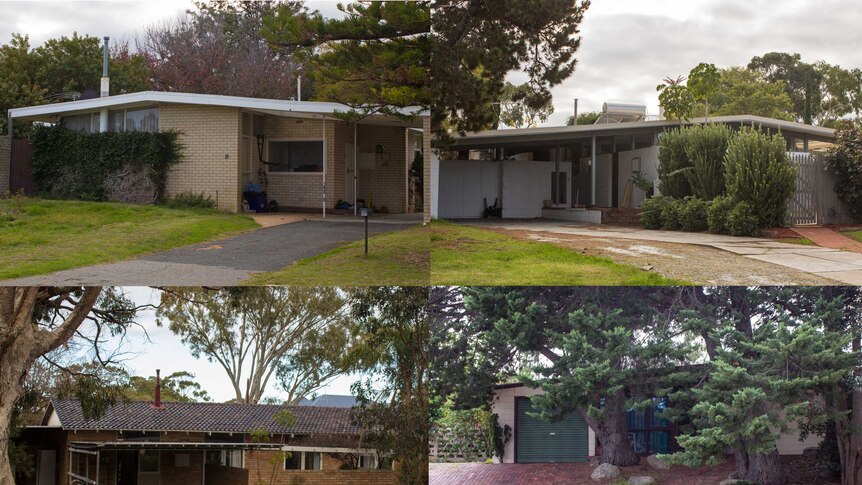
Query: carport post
x=9, y=125
x=556, y=190
x=593, y=168
x=355, y=143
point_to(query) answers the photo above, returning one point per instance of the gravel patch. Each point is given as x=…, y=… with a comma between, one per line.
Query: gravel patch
x=699, y=265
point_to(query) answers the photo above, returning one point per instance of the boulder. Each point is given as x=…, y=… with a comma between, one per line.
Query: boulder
x=642, y=480
x=656, y=463
x=605, y=471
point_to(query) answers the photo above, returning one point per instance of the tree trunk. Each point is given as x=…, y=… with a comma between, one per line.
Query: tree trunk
x=613, y=435
x=764, y=469
x=850, y=441
x=14, y=365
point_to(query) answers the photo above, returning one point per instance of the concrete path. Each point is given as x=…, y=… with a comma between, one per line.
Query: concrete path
x=225, y=262
x=840, y=266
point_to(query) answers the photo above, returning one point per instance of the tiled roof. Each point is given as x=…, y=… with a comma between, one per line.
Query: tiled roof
x=207, y=417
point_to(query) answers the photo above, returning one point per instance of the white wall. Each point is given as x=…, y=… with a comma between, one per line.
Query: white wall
x=504, y=407
x=463, y=184
x=527, y=184
x=435, y=184
x=649, y=169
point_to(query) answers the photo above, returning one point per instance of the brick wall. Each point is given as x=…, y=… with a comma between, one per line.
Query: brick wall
x=174, y=473
x=260, y=461
x=210, y=136
x=383, y=186
x=305, y=190
x=426, y=166
x=5, y=163
x=226, y=475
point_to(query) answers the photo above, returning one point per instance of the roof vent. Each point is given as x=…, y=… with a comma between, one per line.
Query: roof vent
x=621, y=112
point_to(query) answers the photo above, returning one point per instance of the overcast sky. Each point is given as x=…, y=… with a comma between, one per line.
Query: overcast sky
x=164, y=351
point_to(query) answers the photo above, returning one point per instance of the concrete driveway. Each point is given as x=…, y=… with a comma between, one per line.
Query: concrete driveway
x=225, y=262
x=834, y=264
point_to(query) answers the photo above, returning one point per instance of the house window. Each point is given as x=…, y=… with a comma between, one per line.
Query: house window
x=146, y=119
x=648, y=432
x=295, y=156
x=303, y=460
x=366, y=462
x=231, y=458
x=148, y=467
x=88, y=123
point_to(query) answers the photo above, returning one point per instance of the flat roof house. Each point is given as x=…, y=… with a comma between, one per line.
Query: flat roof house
x=164, y=443
x=584, y=173
x=300, y=152
x=572, y=440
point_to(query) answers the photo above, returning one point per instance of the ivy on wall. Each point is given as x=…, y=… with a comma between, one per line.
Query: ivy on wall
x=128, y=166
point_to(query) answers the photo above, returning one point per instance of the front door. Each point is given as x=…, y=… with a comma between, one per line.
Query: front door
x=127, y=468
x=349, y=174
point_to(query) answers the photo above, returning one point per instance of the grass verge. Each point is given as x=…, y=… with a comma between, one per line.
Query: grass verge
x=857, y=235
x=463, y=255
x=394, y=258
x=42, y=236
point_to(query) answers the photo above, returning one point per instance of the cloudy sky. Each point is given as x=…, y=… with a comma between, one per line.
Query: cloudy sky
x=149, y=347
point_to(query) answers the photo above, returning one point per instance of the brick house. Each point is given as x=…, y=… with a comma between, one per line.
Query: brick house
x=173, y=443
x=300, y=152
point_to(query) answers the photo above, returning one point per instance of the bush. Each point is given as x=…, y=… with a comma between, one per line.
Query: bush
x=742, y=220
x=705, y=147
x=89, y=166
x=673, y=164
x=845, y=162
x=693, y=216
x=652, y=207
x=758, y=171
x=716, y=214
x=190, y=200
x=671, y=215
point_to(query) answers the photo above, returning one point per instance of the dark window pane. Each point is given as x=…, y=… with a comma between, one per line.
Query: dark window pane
x=294, y=461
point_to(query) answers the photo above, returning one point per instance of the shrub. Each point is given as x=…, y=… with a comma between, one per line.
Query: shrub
x=671, y=214
x=845, y=162
x=693, y=215
x=742, y=220
x=673, y=164
x=188, y=199
x=758, y=171
x=716, y=214
x=89, y=166
x=705, y=147
x=652, y=207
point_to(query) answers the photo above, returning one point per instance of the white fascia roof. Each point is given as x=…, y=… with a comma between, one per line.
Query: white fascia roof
x=554, y=133
x=50, y=112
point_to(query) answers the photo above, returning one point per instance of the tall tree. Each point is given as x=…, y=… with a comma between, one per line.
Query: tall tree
x=703, y=83
x=391, y=324
x=35, y=321
x=516, y=112
x=801, y=80
x=743, y=91
x=218, y=49
x=584, y=118
x=18, y=82
x=251, y=332
x=375, y=59
x=675, y=98
x=476, y=44
x=597, y=352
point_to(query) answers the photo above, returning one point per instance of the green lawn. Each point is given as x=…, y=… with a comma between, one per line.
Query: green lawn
x=394, y=258
x=41, y=236
x=796, y=240
x=462, y=255
x=857, y=235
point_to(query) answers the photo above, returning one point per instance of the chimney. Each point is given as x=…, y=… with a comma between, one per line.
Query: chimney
x=247, y=390
x=106, y=84
x=157, y=403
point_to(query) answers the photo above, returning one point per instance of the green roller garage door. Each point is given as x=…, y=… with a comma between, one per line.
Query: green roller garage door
x=538, y=441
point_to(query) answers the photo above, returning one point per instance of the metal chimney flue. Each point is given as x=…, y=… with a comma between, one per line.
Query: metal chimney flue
x=157, y=402
x=106, y=83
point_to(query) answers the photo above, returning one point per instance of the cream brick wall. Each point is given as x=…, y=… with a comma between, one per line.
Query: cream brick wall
x=5, y=163
x=210, y=136
x=384, y=186
x=305, y=190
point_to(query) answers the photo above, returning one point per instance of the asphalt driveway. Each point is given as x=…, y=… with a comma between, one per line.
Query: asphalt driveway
x=225, y=262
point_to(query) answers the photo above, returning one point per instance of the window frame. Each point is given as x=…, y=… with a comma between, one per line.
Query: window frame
x=269, y=170
x=302, y=458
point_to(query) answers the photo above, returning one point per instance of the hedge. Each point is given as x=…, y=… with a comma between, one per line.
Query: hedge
x=128, y=166
x=845, y=162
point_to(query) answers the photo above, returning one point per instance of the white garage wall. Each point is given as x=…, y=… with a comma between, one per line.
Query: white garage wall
x=463, y=186
x=504, y=407
x=527, y=184
x=649, y=169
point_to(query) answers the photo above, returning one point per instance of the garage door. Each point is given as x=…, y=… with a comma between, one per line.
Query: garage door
x=538, y=441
